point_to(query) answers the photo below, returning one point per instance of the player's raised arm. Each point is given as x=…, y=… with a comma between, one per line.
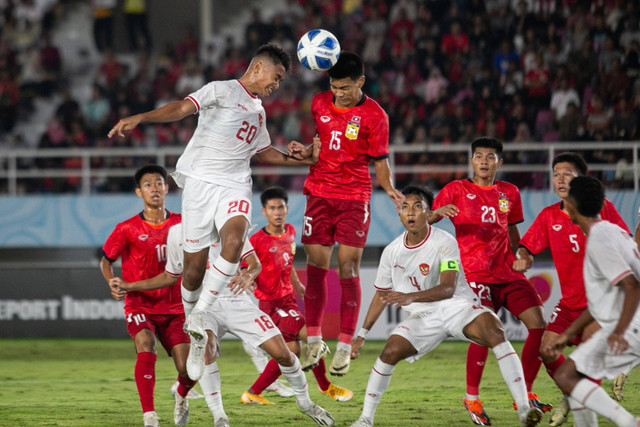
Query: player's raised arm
x=162, y=280
x=383, y=175
x=171, y=112
x=276, y=157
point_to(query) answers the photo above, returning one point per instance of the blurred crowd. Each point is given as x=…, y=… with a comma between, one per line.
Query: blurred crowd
x=445, y=72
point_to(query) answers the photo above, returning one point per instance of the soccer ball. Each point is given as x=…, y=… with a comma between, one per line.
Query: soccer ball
x=318, y=50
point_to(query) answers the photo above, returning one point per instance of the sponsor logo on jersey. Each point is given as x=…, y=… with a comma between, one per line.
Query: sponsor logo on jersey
x=273, y=249
x=143, y=237
x=325, y=119
x=353, y=126
x=471, y=196
x=360, y=233
x=293, y=248
x=503, y=203
x=193, y=240
x=424, y=269
x=556, y=227
x=260, y=119
x=243, y=107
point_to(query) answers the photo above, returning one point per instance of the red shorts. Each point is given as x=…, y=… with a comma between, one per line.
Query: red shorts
x=167, y=327
x=327, y=221
x=515, y=296
x=562, y=317
x=285, y=314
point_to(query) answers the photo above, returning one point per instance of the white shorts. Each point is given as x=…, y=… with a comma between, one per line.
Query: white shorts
x=238, y=315
x=206, y=208
x=425, y=330
x=594, y=359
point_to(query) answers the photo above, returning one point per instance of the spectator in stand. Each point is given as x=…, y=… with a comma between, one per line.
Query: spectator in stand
x=598, y=121
x=433, y=85
x=536, y=81
x=191, y=79
x=624, y=123
x=96, y=112
x=583, y=65
x=571, y=125
x=439, y=124
x=188, y=44
x=608, y=53
x=137, y=27
x=103, y=23
x=9, y=98
x=455, y=40
x=615, y=82
x=505, y=55
x=109, y=71
x=562, y=97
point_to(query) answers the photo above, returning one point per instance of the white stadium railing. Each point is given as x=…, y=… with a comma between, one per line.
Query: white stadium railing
x=22, y=164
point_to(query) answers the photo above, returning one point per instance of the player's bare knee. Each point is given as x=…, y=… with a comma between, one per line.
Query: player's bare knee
x=284, y=358
x=192, y=277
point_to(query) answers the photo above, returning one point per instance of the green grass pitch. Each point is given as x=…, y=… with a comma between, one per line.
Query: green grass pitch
x=72, y=382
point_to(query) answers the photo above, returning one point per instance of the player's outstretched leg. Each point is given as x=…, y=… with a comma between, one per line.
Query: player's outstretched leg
x=618, y=386
x=476, y=360
x=298, y=381
x=210, y=385
x=260, y=359
x=379, y=380
x=313, y=353
x=195, y=360
x=560, y=413
x=325, y=386
x=349, y=310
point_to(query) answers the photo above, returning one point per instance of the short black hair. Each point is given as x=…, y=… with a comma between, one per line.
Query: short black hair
x=574, y=158
x=349, y=65
x=149, y=169
x=422, y=192
x=277, y=55
x=487, y=142
x=273, y=193
x=588, y=195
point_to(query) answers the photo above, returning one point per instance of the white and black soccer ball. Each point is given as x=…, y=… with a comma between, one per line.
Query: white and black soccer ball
x=318, y=50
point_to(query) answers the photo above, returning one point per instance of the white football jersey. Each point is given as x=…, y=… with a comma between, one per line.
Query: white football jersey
x=232, y=127
x=408, y=269
x=611, y=255
x=175, y=255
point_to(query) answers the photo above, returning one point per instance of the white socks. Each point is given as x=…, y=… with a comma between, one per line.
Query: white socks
x=593, y=397
x=313, y=339
x=343, y=346
x=189, y=299
x=216, y=278
x=582, y=416
x=378, y=382
x=210, y=384
x=298, y=382
x=513, y=375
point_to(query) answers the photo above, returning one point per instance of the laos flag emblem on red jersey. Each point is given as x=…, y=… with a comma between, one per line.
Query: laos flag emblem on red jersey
x=352, y=128
x=503, y=204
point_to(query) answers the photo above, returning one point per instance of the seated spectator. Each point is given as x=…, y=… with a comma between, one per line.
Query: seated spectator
x=9, y=98
x=624, y=123
x=454, y=41
x=191, y=78
x=536, y=82
x=598, y=121
x=571, y=125
x=96, y=112
x=614, y=82
x=562, y=97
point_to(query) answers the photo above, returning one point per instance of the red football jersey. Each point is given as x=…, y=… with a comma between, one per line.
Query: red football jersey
x=143, y=248
x=276, y=256
x=482, y=228
x=553, y=229
x=350, y=137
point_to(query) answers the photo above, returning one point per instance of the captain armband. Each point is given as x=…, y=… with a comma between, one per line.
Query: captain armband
x=452, y=265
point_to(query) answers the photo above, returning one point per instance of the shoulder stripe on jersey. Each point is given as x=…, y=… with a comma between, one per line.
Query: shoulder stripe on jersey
x=384, y=156
x=617, y=280
x=192, y=99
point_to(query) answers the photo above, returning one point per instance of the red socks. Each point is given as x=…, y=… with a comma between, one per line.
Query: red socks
x=267, y=377
x=349, y=308
x=145, y=376
x=531, y=356
x=315, y=299
x=320, y=372
x=184, y=385
x=476, y=358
